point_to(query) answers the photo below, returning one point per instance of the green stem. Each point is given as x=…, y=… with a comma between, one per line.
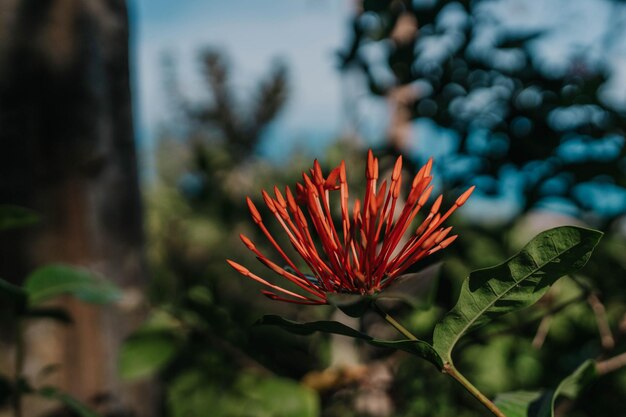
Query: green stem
x=19, y=368
x=452, y=371
x=394, y=323
x=448, y=368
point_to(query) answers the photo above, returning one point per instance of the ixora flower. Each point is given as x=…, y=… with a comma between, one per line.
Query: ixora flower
x=361, y=253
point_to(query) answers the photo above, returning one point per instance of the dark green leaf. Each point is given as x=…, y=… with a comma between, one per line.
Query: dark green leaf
x=523, y=403
x=12, y=294
x=201, y=295
x=414, y=289
x=57, y=314
x=147, y=352
x=70, y=402
x=417, y=289
x=419, y=347
x=12, y=217
x=6, y=390
x=353, y=305
x=571, y=386
x=51, y=281
x=516, y=283
x=541, y=403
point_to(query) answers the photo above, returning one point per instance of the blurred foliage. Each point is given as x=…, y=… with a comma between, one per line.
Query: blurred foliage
x=52, y=281
x=554, y=131
x=499, y=111
x=23, y=304
x=15, y=217
x=191, y=394
x=198, y=337
x=482, y=81
x=525, y=403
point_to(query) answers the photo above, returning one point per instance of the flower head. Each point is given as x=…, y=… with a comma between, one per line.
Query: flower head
x=363, y=252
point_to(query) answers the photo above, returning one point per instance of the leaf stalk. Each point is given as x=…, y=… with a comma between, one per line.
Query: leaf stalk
x=448, y=368
x=394, y=323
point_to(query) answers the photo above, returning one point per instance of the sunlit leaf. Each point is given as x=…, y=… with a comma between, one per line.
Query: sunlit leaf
x=12, y=217
x=51, y=281
x=541, y=403
x=516, y=283
x=419, y=347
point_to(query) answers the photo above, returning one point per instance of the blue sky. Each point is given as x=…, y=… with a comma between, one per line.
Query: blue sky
x=304, y=33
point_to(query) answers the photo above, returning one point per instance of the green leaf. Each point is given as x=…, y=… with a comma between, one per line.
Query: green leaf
x=51, y=281
x=12, y=217
x=6, y=391
x=571, y=386
x=152, y=346
x=522, y=403
x=514, y=284
x=352, y=305
x=147, y=352
x=541, y=403
x=278, y=397
x=416, y=289
x=194, y=391
x=419, y=347
x=70, y=402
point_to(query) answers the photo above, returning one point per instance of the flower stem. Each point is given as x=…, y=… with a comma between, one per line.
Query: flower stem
x=393, y=322
x=451, y=370
x=448, y=367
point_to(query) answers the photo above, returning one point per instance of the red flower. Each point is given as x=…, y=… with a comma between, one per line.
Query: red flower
x=362, y=255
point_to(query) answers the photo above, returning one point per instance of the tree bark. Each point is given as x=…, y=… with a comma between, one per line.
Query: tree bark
x=67, y=151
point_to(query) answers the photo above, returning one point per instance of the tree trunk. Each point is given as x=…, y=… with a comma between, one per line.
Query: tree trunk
x=67, y=151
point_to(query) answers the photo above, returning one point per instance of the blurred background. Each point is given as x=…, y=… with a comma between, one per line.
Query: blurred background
x=133, y=130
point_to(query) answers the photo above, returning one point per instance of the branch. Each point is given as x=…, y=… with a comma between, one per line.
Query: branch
x=606, y=337
x=612, y=364
x=542, y=332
